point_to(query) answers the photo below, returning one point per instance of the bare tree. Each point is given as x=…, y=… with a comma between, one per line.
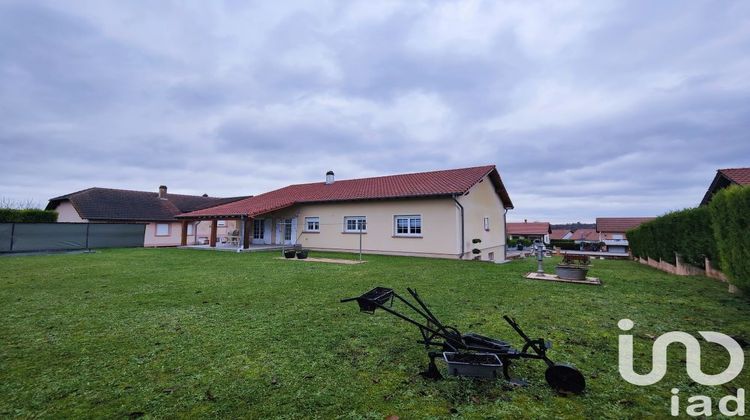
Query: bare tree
x=27, y=204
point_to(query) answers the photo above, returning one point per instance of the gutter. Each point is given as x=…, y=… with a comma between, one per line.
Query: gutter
x=461, y=209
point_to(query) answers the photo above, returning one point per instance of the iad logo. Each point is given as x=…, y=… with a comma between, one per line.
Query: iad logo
x=702, y=404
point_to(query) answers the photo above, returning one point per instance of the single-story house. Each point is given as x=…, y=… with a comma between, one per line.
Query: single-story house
x=725, y=178
x=156, y=209
x=532, y=231
x=432, y=214
x=612, y=230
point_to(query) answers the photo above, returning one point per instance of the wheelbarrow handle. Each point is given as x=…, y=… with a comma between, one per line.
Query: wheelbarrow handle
x=347, y=300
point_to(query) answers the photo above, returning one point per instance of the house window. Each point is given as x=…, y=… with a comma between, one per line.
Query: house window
x=222, y=223
x=259, y=229
x=408, y=225
x=162, y=229
x=190, y=229
x=486, y=223
x=312, y=224
x=355, y=224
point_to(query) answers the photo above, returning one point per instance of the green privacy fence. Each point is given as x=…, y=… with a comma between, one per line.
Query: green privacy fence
x=29, y=237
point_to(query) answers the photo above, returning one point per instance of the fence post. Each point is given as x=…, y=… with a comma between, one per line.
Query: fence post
x=12, y=232
x=87, y=236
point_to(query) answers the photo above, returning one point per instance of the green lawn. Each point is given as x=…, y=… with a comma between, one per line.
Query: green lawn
x=178, y=333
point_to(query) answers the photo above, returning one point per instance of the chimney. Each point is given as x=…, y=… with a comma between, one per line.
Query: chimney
x=204, y=195
x=163, y=192
x=329, y=177
x=525, y=221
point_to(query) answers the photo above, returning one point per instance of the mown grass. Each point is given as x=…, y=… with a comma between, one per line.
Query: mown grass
x=184, y=333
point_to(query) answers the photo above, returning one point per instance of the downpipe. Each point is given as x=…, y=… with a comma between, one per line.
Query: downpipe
x=461, y=210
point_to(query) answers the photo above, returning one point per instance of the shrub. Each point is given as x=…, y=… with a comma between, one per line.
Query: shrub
x=27, y=216
x=686, y=232
x=730, y=214
x=524, y=241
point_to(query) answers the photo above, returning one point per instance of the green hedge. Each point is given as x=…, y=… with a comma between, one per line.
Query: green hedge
x=567, y=244
x=27, y=216
x=730, y=213
x=687, y=232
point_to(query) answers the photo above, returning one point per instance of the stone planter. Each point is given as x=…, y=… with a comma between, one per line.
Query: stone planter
x=571, y=272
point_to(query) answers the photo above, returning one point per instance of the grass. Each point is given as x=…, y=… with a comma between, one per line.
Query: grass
x=185, y=333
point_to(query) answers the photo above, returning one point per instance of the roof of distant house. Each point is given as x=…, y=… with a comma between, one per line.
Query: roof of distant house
x=559, y=233
x=619, y=224
x=585, y=235
x=528, y=228
x=445, y=183
x=725, y=178
x=128, y=205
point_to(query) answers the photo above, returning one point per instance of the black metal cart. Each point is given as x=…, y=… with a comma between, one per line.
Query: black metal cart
x=470, y=354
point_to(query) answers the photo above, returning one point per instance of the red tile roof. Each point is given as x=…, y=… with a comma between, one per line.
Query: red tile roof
x=526, y=228
x=424, y=184
x=619, y=224
x=559, y=233
x=739, y=176
x=585, y=235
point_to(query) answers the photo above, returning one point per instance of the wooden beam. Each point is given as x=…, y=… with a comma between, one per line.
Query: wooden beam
x=248, y=227
x=212, y=238
x=183, y=240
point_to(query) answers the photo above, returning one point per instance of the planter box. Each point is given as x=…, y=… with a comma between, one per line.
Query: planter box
x=477, y=365
x=571, y=272
x=289, y=253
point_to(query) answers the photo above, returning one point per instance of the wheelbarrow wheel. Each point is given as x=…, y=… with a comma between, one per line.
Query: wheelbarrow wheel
x=565, y=379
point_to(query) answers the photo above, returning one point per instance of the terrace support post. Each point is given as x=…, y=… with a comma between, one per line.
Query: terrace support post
x=247, y=227
x=183, y=238
x=212, y=238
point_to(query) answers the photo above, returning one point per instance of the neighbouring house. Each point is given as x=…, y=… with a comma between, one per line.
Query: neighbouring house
x=558, y=234
x=530, y=230
x=587, y=239
x=432, y=214
x=611, y=231
x=156, y=209
x=725, y=178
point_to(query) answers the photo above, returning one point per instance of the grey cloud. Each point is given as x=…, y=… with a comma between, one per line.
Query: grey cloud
x=630, y=116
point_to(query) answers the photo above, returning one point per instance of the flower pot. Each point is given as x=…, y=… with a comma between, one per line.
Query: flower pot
x=571, y=272
x=302, y=254
x=289, y=253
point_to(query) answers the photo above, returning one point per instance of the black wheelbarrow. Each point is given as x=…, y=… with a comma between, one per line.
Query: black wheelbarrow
x=471, y=354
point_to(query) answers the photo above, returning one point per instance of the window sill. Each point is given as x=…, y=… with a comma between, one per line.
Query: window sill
x=408, y=236
x=310, y=231
x=354, y=233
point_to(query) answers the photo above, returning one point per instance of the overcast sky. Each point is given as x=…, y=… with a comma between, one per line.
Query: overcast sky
x=588, y=108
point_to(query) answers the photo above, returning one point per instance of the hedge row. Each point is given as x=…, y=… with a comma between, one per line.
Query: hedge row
x=27, y=216
x=719, y=231
x=686, y=232
x=566, y=244
x=730, y=213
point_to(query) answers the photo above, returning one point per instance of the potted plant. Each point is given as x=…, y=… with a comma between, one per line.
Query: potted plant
x=302, y=254
x=573, y=267
x=289, y=253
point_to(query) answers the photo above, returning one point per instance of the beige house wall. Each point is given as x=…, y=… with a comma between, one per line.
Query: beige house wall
x=439, y=229
x=66, y=213
x=479, y=203
x=441, y=225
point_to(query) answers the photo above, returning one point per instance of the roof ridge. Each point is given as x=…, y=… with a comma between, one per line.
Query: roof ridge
x=394, y=175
